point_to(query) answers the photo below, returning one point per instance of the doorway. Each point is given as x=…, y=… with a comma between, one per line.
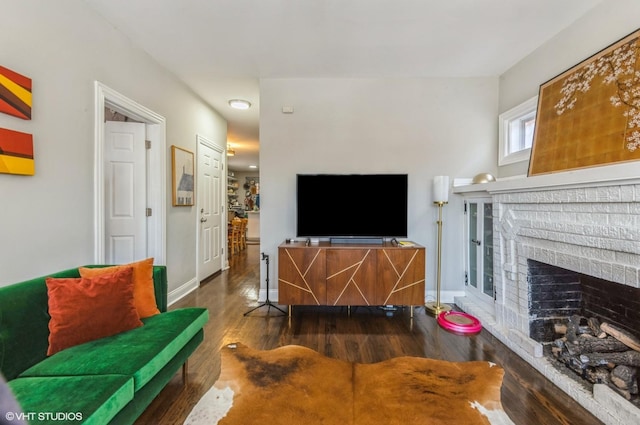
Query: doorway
x=154, y=218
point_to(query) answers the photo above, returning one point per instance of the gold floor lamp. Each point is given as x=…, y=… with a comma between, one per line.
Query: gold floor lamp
x=440, y=198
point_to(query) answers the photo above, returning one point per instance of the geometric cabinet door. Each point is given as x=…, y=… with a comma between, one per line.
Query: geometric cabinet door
x=401, y=276
x=301, y=276
x=351, y=276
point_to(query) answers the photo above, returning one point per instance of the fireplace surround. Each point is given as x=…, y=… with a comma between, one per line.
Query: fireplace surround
x=586, y=228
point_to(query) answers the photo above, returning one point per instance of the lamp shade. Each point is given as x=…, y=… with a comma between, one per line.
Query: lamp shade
x=441, y=189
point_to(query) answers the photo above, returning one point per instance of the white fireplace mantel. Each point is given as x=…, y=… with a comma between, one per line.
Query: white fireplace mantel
x=624, y=174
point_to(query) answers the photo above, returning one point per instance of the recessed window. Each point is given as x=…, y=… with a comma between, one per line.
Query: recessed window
x=515, y=132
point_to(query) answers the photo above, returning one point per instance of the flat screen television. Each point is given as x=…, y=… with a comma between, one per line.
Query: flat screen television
x=351, y=205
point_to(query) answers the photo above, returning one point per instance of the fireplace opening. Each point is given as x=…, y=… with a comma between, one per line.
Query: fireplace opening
x=555, y=294
x=588, y=326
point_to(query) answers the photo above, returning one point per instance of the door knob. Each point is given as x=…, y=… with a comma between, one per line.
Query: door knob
x=202, y=220
x=475, y=241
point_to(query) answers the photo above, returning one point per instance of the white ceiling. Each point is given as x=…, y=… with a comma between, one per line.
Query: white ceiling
x=221, y=48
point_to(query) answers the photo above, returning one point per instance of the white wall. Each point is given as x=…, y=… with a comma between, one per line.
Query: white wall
x=422, y=127
x=596, y=30
x=46, y=221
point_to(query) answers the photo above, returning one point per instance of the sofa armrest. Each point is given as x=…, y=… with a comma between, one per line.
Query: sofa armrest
x=160, y=286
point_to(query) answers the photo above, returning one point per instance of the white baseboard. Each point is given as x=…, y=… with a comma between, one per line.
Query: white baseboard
x=446, y=297
x=273, y=295
x=182, y=291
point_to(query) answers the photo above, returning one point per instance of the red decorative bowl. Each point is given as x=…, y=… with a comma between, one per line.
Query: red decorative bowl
x=460, y=323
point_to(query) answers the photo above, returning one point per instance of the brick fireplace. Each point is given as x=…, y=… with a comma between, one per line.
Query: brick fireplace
x=583, y=229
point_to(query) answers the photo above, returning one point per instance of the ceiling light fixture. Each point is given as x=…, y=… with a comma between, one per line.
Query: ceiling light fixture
x=239, y=104
x=230, y=150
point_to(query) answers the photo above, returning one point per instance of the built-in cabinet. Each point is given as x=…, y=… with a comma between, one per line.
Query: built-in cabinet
x=350, y=275
x=479, y=248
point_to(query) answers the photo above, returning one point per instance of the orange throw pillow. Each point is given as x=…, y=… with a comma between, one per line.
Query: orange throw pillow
x=144, y=295
x=86, y=309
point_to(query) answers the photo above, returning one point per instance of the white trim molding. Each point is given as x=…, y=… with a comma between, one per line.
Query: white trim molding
x=156, y=172
x=182, y=291
x=504, y=133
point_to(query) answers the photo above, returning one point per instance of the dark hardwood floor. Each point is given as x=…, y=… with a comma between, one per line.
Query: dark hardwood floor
x=368, y=335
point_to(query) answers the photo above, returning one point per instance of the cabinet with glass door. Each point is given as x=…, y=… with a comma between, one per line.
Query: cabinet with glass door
x=479, y=248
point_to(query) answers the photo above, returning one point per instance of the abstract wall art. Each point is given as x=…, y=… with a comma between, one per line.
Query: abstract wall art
x=590, y=114
x=16, y=153
x=15, y=94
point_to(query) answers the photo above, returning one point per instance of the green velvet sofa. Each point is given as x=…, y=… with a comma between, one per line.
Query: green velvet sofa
x=107, y=381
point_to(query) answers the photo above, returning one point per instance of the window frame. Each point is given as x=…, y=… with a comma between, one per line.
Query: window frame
x=505, y=119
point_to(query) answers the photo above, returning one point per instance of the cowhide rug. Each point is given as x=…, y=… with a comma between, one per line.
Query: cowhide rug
x=296, y=385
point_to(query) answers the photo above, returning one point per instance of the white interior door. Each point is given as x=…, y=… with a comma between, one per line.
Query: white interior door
x=210, y=208
x=125, y=192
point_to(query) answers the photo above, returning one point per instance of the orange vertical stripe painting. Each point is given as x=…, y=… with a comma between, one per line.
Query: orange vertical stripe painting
x=15, y=94
x=16, y=153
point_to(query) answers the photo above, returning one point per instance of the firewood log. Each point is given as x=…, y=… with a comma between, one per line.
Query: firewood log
x=560, y=328
x=621, y=335
x=625, y=378
x=591, y=344
x=573, y=327
x=585, y=330
x=561, y=353
x=594, y=324
x=628, y=358
x=559, y=342
x=576, y=364
x=598, y=375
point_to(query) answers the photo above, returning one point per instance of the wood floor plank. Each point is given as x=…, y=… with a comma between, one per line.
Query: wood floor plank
x=367, y=335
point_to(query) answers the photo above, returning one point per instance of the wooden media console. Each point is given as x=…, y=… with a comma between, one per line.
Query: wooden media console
x=351, y=274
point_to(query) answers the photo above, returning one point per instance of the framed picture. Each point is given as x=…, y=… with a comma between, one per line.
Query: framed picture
x=16, y=153
x=15, y=94
x=590, y=114
x=182, y=169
